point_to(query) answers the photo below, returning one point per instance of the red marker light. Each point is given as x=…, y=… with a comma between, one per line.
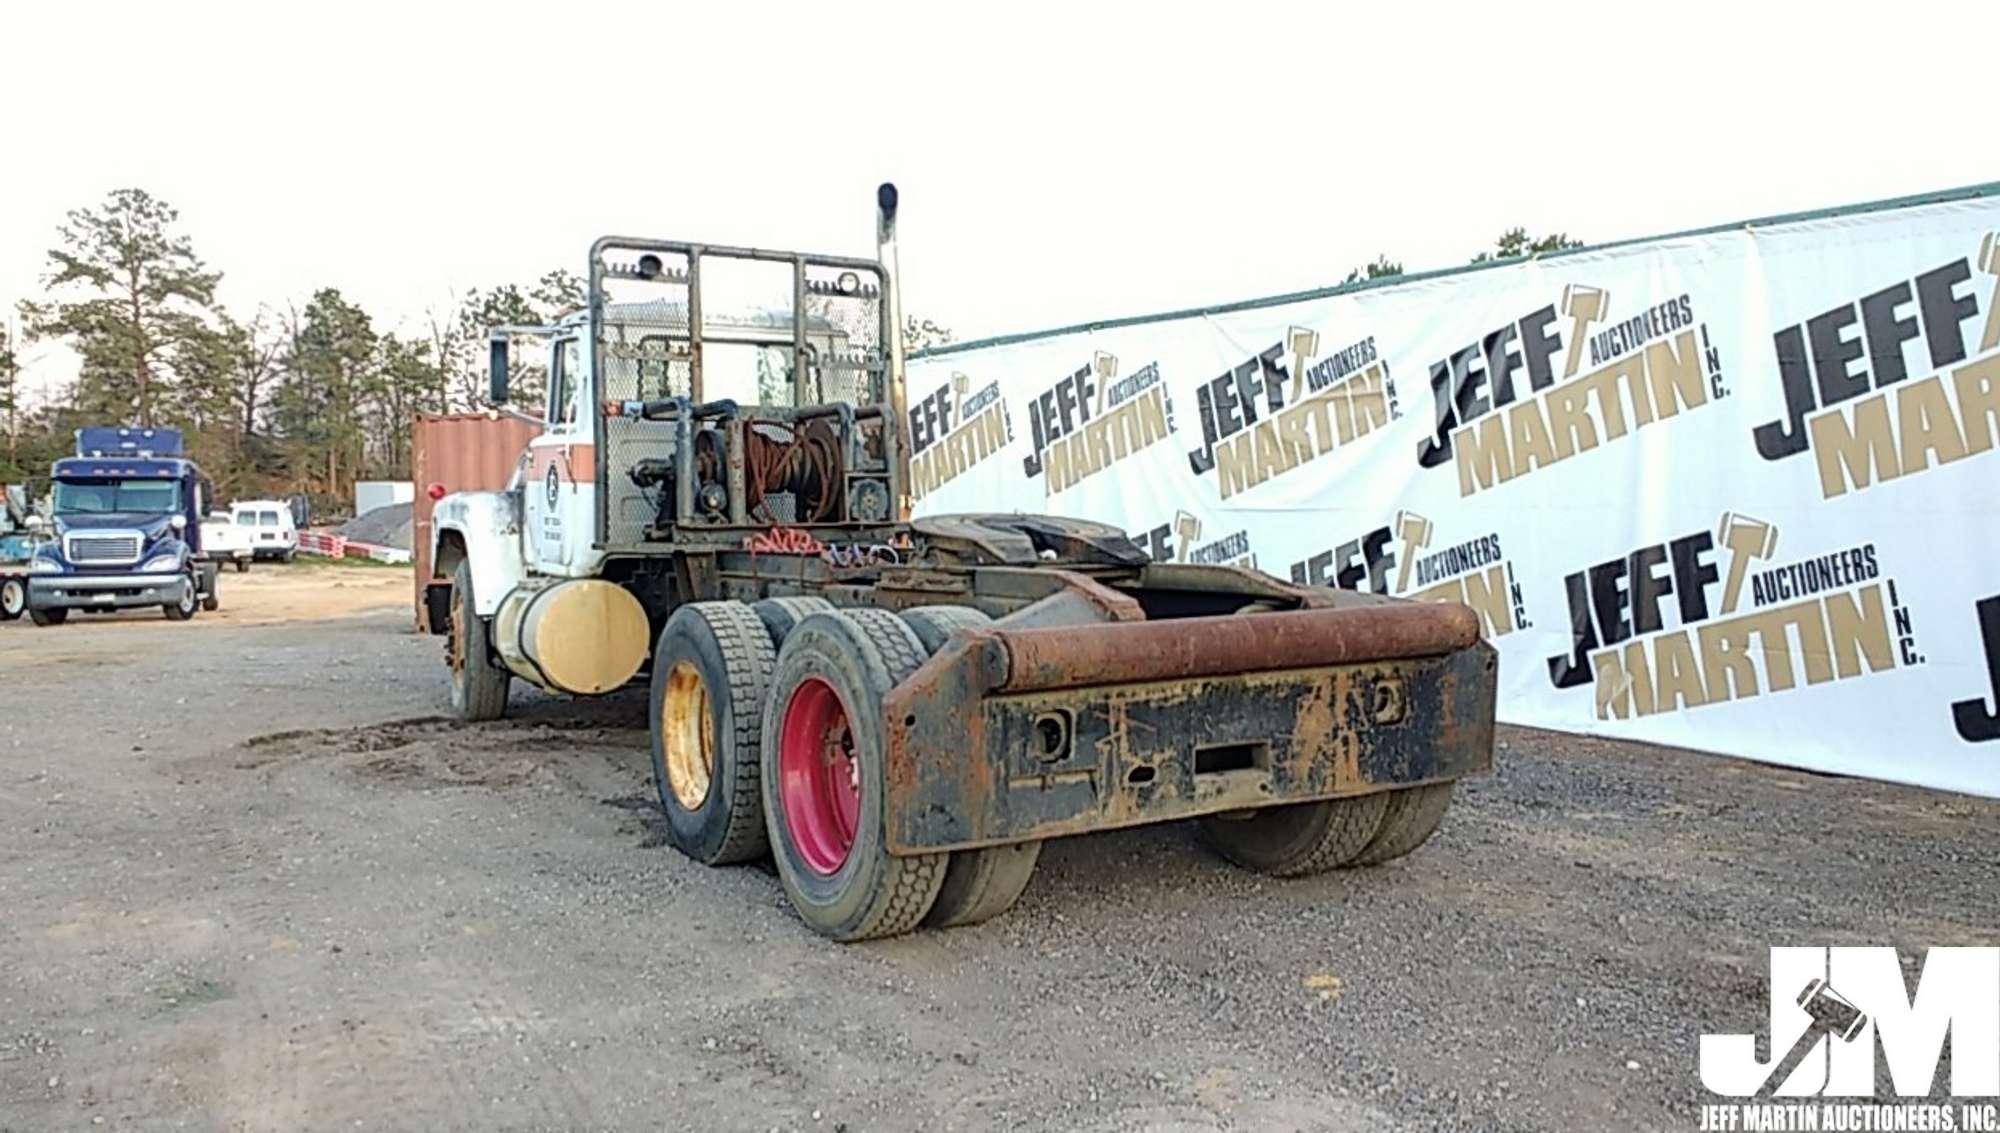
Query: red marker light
x=435, y=491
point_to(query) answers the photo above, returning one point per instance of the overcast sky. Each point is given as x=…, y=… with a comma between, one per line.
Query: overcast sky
x=1058, y=162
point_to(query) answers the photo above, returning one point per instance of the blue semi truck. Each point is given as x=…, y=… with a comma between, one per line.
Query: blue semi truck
x=126, y=513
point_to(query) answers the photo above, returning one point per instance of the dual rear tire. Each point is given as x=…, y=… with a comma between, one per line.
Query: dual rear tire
x=767, y=735
x=824, y=781
x=711, y=676
x=1308, y=838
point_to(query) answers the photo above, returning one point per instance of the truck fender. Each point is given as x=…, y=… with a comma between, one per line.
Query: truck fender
x=484, y=530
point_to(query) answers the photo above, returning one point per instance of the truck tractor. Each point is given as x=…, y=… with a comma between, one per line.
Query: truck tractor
x=901, y=711
x=127, y=514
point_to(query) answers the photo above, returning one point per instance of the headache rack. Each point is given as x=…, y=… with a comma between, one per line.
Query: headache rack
x=738, y=389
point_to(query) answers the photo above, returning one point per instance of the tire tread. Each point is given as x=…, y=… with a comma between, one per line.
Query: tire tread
x=1414, y=815
x=1351, y=825
x=934, y=624
x=747, y=657
x=914, y=881
x=486, y=684
x=779, y=615
x=978, y=884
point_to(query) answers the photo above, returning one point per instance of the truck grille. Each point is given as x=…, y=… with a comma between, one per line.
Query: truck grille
x=103, y=547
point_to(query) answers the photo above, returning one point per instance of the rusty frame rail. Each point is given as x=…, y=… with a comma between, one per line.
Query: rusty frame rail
x=1183, y=648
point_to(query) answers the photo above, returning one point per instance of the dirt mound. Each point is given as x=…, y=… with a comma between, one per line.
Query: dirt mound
x=387, y=526
x=432, y=751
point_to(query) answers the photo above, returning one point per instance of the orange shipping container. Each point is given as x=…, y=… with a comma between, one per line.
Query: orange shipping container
x=459, y=452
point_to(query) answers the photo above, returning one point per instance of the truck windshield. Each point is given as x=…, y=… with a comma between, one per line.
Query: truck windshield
x=97, y=497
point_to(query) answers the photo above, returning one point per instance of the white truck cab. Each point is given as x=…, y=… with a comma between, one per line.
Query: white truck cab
x=550, y=540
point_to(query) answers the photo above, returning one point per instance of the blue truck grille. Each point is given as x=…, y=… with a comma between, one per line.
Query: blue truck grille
x=100, y=548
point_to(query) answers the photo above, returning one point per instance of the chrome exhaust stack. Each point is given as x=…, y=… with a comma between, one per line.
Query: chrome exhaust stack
x=885, y=251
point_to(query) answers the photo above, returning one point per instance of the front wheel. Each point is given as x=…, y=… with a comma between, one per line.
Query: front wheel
x=13, y=598
x=53, y=617
x=184, y=607
x=211, y=599
x=824, y=780
x=478, y=685
x=242, y=565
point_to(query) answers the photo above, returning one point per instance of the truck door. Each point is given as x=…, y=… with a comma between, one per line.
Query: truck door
x=562, y=464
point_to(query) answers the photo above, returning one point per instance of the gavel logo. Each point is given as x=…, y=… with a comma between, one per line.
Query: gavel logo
x=1304, y=344
x=1584, y=305
x=1831, y=1014
x=1746, y=539
x=1187, y=532
x=1415, y=531
x=1106, y=366
x=1989, y=262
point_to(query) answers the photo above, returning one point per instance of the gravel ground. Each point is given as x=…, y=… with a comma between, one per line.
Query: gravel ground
x=253, y=882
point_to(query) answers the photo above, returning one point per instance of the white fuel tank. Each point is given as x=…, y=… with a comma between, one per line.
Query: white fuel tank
x=582, y=635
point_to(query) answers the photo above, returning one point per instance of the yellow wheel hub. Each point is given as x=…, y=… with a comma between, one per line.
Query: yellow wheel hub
x=687, y=734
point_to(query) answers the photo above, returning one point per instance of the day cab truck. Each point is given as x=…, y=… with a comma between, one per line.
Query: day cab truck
x=126, y=529
x=901, y=711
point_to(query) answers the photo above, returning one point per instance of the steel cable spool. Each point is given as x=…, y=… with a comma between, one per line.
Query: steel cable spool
x=804, y=465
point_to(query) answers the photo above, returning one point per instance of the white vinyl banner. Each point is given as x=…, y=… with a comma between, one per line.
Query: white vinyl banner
x=1732, y=491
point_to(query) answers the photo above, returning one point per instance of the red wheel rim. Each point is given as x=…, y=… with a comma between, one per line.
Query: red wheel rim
x=819, y=780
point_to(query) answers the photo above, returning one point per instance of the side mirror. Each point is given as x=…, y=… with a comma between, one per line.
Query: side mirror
x=496, y=370
x=34, y=523
x=178, y=522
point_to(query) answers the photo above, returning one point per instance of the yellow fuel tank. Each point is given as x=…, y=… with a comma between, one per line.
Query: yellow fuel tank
x=583, y=636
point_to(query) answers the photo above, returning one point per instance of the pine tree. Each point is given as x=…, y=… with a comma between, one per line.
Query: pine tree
x=330, y=376
x=133, y=296
x=1516, y=242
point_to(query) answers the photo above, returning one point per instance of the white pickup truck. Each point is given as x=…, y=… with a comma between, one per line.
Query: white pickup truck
x=223, y=540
